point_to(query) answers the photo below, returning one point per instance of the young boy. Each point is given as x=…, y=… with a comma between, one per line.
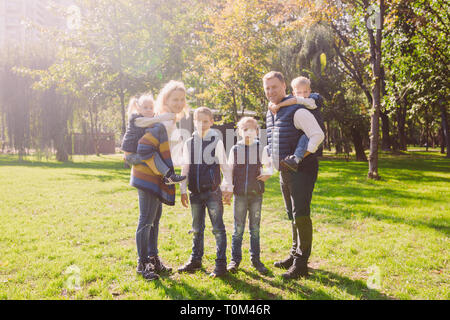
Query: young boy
x=205, y=157
x=301, y=88
x=247, y=158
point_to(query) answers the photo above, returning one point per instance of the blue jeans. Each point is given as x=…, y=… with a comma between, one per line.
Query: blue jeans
x=302, y=146
x=242, y=204
x=213, y=201
x=150, y=209
x=160, y=165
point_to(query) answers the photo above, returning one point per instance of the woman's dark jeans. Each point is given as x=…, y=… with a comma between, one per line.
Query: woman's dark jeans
x=150, y=209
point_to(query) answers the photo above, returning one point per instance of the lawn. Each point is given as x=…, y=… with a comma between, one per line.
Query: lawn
x=67, y=232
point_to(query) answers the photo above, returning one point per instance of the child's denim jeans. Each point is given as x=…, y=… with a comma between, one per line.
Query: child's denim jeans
x=302, y=146
x=213, y=201
x=148, y=226
x=242, y=205
x=161, y=166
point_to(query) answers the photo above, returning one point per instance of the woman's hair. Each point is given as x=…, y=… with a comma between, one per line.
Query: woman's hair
x=245, y=120
x=164, y=94
x=136, y=102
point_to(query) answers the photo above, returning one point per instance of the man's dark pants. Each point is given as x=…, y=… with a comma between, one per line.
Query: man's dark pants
x=297, y=188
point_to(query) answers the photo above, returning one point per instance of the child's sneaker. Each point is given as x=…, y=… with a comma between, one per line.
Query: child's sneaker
x=149, y=273
x=159, y=266
x=290, y=163
x=219, y=271
x=173, y=179
x=284, y=264
x=191, y=266
x=233, y=266
x=260, y=267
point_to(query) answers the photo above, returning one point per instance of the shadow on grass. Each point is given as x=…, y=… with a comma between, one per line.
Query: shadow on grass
x=98, y=164
x=180, y=289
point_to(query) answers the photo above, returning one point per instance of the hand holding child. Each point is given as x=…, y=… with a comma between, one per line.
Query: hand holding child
x=263, y=177
x=274, y=107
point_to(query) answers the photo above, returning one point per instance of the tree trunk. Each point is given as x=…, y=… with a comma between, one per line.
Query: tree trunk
x=444, y=125
x=401, y=121
x=328, y=136
x=235, y=115
x=122, y=110
x=358, y=143
x=386, y=139
x=375, y=52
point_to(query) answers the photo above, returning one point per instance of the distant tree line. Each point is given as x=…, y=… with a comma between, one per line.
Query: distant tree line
x=381, y=67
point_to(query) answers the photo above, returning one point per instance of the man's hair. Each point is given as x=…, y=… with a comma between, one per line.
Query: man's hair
x=301, y=81
x=245, y=120
x=274, y=74
x=205, y=111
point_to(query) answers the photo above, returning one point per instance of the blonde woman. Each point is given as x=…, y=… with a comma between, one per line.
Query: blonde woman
x=153, y=191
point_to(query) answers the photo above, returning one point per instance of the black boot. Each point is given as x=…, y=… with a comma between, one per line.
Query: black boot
x=158, y=265
x=149, y=272
x=289, y=164
x=284, y=264
x=297, y=270
x=141, y=267
x=191, y=266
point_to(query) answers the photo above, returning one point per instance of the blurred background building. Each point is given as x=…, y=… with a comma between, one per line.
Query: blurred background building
x=18, y=16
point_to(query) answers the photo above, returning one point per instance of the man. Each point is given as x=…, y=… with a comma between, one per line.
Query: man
x=283, y=131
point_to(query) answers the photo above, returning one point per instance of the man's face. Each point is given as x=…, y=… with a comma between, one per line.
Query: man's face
x=302, y=90
x=275, y=90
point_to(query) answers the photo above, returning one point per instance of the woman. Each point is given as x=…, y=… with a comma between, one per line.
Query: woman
x=154, y=192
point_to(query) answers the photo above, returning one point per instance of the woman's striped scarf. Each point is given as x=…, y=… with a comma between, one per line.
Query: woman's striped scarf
x=147, y=177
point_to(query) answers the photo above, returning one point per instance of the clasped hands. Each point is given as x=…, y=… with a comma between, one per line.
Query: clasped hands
x=274, y=107
x=226, y=198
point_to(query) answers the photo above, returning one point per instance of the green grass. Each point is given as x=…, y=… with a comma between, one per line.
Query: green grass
x=83, y=213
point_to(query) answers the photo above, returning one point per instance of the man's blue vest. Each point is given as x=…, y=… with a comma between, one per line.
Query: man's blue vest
x=204, y=169
x=247, y=166
x=282, y=135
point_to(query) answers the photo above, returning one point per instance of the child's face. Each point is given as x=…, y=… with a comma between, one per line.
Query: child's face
x=203, y=122
x=302, y=90
x=147, y=109
x=248, y=131
x=176, y=101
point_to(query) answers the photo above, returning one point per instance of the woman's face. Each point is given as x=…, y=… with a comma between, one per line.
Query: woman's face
x=176, y=101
